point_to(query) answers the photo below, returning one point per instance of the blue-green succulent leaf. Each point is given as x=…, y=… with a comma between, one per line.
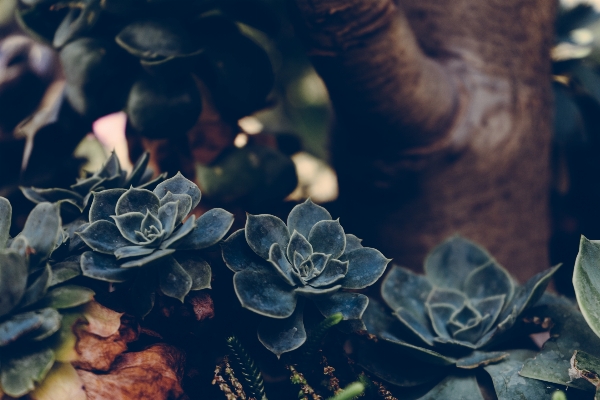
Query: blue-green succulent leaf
x=151, y=185
x=150, y=223
x=19, y=373
x=320, y=261
x=37, y=289
x=473, y=331
x=210, y=228
x=481, y=358
x=83, y=187
x=282, y=266
x=333, y=272
x=465, y=314
x=5, y=220
x=439, y=315
x=300, y=244
x=198, y=269
x=491, y=306
x=179, y=185
x=328, y=237
x=138, y=171
x=449, y=264
x=188, y=226
x=304, y=216
x=19, y=325
x=447, y=296
x=104, y=204
x=283, y=335
x=68, y=296
x=352, y=243
x=366, y=266
x=265, y=293
x=143, y=293
x=238, y=256
x=462, y=387
x=402, y=288
x=312, y=293
x=112, y=167
x=65, y=270
x=103, y=236
x=128, y=224
x=42, y=231
x=173, y=280
x=586, y=280
x=140, y=262
x=51, y=320
x=138, y=201
x=13, y=279
x=184, y=205
x=167, y=214
x=488, y=280
x=351, y=305
x=51, y=195
x=299, y=260
x=415, y=325
x=104, y=268
x=264, y=230
x=133, y=251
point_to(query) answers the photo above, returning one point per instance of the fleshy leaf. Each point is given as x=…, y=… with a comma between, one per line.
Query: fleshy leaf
x=281, y=265
x=352, y=243
x=481, y=358
x=138, y=171
x=300, y=244
x=104, y=204
x=128, y=224
x=465, y=314
x=366, y=266
x=5, y=220
x=104, y=268
x=264, y=293
x=586, y=279
x=439, y=315
x=179, y=185
x=449, y=264
x=133, y=251
x=333, y=272
x=51, y=321
x=173, y=280
x=37, y=289
x=283, y=335
x=181, y=232
x=198, y=269
x=351, y=305
x=20, y=373
x=167, y=214
x=184, y=205
x=304, y=216
x=491, y=306
x=69, y=296
x=139, y=201
x=157, y=255
x=320, y=261
x=447, y=296
x=311, y=292
x=402, y=288
x=462, y=387
x=414, y=325
x=488, y=280
x=13, y=279
x=41, y=230
x=18, y=326
x=65, y=270
x=103, y=236
x=150, y=223
x=473, y=331
x=238, y=256
x=328, y=237
x=210, y=228
x=264, y=230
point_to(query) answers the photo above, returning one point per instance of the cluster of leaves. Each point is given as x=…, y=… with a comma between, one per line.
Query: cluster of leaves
x=143, y=56
x=32, y=297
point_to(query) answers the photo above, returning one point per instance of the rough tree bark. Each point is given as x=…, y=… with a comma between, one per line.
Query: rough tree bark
x=444, y=121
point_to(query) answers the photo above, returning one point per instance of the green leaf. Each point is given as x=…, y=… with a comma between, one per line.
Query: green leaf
x=104, y=268
x=198, y=269
x=168, y=216
x=366, y=266
x=264, y=293
x=69, y=296
x=179, y=185
x=138, y=201
x=585, y=366
x=128, y=224
x=586, y=280
x=350, y=305
x=19, y=325
x=238, y=256
x=5, y=220
x=283, y=335
x=138, y=171
x=282, y=266
x=463, y=387
x=334, y=271
x=328, y=237
x=51, y=321
x=298, y=244
x=304, y=216
x=181, y=232
x=402, y=288
x=173, y=280
x=104, y=236
x=210, y=228
x=264, y=230
x=20, y=372
x=487, y=281
x=104, y=204
x=133, y=251
x=37, y=289
x=184, y=205
x=41, y=230
x=65, y=270
x=13, y=280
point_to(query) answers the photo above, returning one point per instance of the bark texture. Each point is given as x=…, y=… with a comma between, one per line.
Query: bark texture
x=444, y=121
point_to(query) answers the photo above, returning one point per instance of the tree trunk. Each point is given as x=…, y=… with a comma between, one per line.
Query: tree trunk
x=444, y=121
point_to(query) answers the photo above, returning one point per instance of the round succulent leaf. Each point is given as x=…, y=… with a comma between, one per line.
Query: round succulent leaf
x=139, y=170
x=50, y=195
x=104, y=236
x=312, y=293
x=449, y=264
x=184, y=205
x=328, y=237
x=198, y=269
x=149, y=259
x=68, y=296
x=77, y=22
x=38, y=287
x=51, y=320
x=264, y=230
x=447, y=296
x=168, y=216
x=350, y=305
x=19, y=325
x=188, y=226
x=173, y=280
x=128, y=224
x=304, y=216
x=13, y=280
x=488, y=280
x=402, y=288
x=264, y=293
x=283, y=335
x=5, y=221
x=143, y=293
x=366, y=266
x=455, y=386
x=298, y=243
x=23, y=370
x=104, y=268
x=41, y=229
x=104, y=204
x=179, y=184
x=133, y=251
x=65, y=270
x=282, y=266
x=137, y=200
x=439, y=315
x=239, y=257
x=333, y=272
x=211, y=227
x=414, y=326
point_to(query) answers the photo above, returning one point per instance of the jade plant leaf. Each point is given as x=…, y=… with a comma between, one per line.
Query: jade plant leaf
x=42, y=230
x=69, y=296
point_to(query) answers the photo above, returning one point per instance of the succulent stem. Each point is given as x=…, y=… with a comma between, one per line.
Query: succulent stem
x=251, y=374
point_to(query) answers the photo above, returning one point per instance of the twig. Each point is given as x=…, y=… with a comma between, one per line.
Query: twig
x=223, y=385
x=239, y=390
x=305, y=389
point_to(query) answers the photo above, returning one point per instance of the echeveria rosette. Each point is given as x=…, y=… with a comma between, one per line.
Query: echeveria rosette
x=32, y=299
x=277, y=266
x=140, y=235
x=454, y=314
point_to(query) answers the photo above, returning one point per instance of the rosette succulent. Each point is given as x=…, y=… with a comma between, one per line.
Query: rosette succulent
x=144, y=236
x=277, y=266
x=464, y=305
x=32, y=299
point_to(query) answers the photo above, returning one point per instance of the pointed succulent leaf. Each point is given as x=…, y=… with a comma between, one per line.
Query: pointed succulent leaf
x=37, y=289
x=138, y=171
x=179, y=185
x=298, y=259
x=447, y=296
x=210, y=228
x=488, y=280
x=68, y=296
x=481, y=358
x=313, y=293
x=320, y=261
x=473, y=331
x=83, y=187
x=282, y=266
x=50, y=195
x=304, y=216
x=184, y=205
x=104, y=204
x=491, y=306
x=51, y=320
x=352, y=243
x=366, y=266
x=167, y=214
x=333, y=272
x=137, y=200
x=402, y=288
x=104, y=268
x=103, y=236
x=462, y=387
x=283, y=335
x=41, y=230
x=13, y=280
x=181, y=232
x=112, y=167
x=351, y=305
x=173, y=280
x=265, y=293
x=198, y=269
x=150, y=223
x=133, y=251
x=143, y=293
x=151, y=184
x=439, y=315
x=415, y=326
x=239, y=257
x=65, y=270
x=586, y=280
x=5, y=219
x=21, y=372
x=140, y=262
x=449, y=264
x=264, y=230
x=328, y=237
x=465, y=314
x=128, y=224
x=300, y=244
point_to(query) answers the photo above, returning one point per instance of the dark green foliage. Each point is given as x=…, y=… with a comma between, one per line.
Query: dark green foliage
x=315, y=339
x=255, y=386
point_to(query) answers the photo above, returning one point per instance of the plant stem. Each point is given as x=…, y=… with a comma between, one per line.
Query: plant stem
x=305, y=389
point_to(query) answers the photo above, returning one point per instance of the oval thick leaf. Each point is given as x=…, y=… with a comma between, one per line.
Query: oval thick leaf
x=128, y=224
x=179, y=184
x=5, y=219
x=198, y=269
x=283, y=335
x=65, y=270
x=181, y=232
x=37, y=289
x=586, y=280
x=20, y=373
x=488, y=280
x=173, y=280
x=304, y=216
x=210, y=228
x=19, y=325
x=137, y=200
x=104, y=236
x=328, y=237
x=68, y=296
x=104, y=268
x=333, y=272
x=51, y=320
x=366, y=266
x=167, y=214
x=298, y=244
x=402, y=288
x=238, y=256
x=351, y=305
x=13, y=280
x=184, y=205
x=264, y=230
x=282, y=266
x=264, y=293
x=41, y=230
x=104, y=204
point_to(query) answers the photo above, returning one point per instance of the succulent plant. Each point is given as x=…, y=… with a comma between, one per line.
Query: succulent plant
x=277, y=266
x=31, y=299
x=110, y=176
x=144, y=236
